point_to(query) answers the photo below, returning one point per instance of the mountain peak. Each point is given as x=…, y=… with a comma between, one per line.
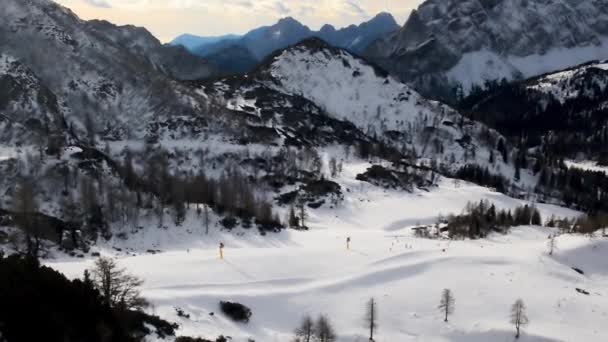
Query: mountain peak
x=288, y=21
x=474, y=41
x=385, y=17
x=327, y=28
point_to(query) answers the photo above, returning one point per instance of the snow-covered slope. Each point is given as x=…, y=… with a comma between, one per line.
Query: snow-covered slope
x=173, y=60
x=587, y=81
x=314, y=273
x=348, y=88
x=448, y=43
x=27, y=107
x=564, y=111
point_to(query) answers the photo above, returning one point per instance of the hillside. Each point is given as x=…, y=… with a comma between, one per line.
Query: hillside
x=308, y=185
x=315, y=273
x=350, y=89
x=562, y=113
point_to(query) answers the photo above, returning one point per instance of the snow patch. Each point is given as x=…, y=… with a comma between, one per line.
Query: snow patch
x=586, y=165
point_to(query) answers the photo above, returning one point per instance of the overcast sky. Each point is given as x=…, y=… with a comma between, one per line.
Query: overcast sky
x=168, y=18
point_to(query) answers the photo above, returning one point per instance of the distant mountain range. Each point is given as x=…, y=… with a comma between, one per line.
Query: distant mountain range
x=191, y=41
x=259, y=43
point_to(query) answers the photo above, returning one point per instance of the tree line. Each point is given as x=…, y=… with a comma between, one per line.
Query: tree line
x=479, y=219
x=322, y=330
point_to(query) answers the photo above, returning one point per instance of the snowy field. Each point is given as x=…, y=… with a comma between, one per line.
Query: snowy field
x=282, y=277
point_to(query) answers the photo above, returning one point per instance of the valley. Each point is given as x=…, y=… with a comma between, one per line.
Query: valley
x=225, y=188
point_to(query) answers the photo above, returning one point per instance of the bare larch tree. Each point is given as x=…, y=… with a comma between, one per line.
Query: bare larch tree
x=518, y=316
x=552, y=244
x=306, y=331
x=371, y=317
x=324, y=331
x=447, y=303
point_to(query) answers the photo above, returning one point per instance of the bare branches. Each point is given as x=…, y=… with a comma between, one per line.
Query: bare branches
x=371, y=317
x=518, y=316
x=117, y=287
x=446, y=305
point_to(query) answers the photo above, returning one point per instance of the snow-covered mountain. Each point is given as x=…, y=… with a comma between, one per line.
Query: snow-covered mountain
x=563, y=112
x=356, y=38
x=584, y=82
x=324, y=179
x=175, y=61
x=118, y=81
x=233, y=59
x=263, y=41
x=27, y=107
x=349, y=89
x=446, y=43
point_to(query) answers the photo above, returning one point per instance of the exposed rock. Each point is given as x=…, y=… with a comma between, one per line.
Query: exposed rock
x=490, y=40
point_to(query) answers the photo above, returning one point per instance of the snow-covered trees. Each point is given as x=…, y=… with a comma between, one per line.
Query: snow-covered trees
x=371, y=317
x=446, y=305
x=481, y=218
x=518, y=316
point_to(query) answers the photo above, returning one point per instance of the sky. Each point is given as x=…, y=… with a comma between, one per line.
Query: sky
x=167, y=19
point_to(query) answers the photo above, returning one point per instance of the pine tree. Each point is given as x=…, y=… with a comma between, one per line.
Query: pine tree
x=502, y=148
x=536, y=218
x=303, y=215
x=206, y=219
x=293, y=220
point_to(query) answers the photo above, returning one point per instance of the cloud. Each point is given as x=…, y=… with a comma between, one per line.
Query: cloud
x=306, y=11
x=245, y=3
x=170, y=18
x=356, y=8
x=281, y=8
x=99, y=3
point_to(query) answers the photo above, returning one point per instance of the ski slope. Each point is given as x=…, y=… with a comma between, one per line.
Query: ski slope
x=284, y=276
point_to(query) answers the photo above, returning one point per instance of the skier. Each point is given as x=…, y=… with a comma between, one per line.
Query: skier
x=221, y=250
